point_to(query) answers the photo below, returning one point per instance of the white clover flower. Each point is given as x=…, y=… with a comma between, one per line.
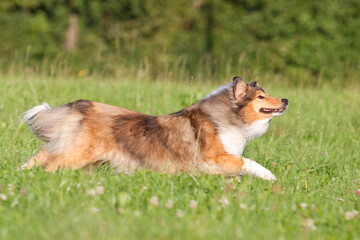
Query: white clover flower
x=99, y=190
x=242, y=206
x=224, y=202
x=169, y=204
x=193, y=204
x=303, y=206
x=95, y=210
x=179, y=213
x=3, y=197
x=309, y=224
x=154, y=200
x=351, y=214
x=91, y=192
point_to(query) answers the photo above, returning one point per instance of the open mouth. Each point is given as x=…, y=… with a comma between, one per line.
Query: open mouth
x=272, y=110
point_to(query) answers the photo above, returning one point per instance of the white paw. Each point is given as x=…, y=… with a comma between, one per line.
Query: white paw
x=23, y=167
x=253, y=168
x=267, y=175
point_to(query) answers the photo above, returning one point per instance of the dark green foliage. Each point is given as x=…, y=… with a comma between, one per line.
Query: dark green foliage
x=317, y=37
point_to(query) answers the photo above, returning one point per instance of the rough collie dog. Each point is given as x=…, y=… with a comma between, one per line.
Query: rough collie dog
x=208, y=136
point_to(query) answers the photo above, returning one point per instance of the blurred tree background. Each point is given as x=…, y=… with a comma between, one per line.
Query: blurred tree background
x=280, y=36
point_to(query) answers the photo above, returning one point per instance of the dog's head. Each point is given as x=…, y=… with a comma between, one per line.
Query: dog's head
x=254, y=103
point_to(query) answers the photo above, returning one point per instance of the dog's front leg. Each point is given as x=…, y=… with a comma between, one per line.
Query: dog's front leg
x=251, y=167
x=233, y=165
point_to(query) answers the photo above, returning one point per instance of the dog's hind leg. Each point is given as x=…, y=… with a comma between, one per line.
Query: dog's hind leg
x=38, y=160
x=74, y=158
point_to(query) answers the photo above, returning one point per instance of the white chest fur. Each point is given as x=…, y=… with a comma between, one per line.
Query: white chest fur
x=234, y=138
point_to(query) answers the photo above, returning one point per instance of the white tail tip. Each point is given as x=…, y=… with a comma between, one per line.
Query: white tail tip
x=35, y=110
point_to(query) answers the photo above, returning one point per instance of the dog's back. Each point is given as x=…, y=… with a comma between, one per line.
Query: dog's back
x=87, y=132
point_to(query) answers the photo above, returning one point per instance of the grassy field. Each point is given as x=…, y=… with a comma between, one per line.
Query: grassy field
x=313, y=150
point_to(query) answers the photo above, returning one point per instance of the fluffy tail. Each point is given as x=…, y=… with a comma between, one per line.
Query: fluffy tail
x=28, y=115
x=57, y=125
x=45, y=122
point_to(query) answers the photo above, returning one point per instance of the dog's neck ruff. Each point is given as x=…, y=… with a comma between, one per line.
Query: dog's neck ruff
x=235, y=138
x=219, y=90
x=234, y=135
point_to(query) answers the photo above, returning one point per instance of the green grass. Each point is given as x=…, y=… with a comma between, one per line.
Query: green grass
x=313, y=150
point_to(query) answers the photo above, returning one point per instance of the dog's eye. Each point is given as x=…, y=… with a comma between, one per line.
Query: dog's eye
x=261, y=97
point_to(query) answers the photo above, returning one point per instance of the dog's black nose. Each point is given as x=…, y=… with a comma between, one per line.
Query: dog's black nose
x=284, y=100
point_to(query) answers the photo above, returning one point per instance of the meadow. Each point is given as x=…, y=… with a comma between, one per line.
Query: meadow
x=313, y=149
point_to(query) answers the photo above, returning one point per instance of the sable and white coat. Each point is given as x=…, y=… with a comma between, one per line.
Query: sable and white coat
x=208, y=136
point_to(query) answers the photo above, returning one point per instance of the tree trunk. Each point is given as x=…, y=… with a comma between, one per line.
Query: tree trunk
x=71, y=33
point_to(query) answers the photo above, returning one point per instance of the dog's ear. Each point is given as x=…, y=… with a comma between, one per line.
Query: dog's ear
x=254, y=84
x=239, y=88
